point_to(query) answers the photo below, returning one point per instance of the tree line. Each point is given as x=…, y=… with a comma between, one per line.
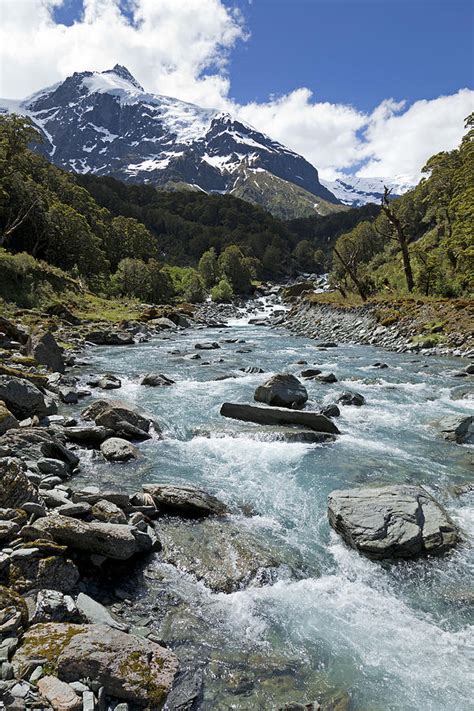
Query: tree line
x=420, y=242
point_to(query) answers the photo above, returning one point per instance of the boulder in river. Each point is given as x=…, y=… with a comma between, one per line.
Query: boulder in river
x=89, y=435
x=310, y=373
x=278, y=416
x=331, y=410
x=129, y=668
x=24, y=399
x=208, y=346
x=252, y=369
x=350, y=398
x=283, y=390
x=45, y=350
x=126, y=420
x=156, y=380
x=116, y=449
x=109, y=338
x=398, y=521
x=458, y=428
x=116, y=541
x=185, y=500
x=326, y=378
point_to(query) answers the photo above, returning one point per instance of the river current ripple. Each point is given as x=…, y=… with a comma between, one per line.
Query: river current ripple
x=394, y=637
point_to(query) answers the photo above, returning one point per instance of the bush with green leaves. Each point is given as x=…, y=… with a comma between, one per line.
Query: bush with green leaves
x=222, y=292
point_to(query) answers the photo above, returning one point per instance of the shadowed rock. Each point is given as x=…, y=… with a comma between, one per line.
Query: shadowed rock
x=283, y=390
x=185, y=500
x=278, y=416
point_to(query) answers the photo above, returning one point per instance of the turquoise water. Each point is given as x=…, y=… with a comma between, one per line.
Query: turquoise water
x=392, y=636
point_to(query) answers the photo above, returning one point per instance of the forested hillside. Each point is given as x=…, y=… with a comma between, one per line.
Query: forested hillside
x=156, y=245
x=421, y=242
x=132, y=240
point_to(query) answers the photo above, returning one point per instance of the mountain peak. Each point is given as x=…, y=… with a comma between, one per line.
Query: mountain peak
x=124, y=73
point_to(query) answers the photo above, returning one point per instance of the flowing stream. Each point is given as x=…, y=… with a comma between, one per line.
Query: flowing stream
x=394, y=636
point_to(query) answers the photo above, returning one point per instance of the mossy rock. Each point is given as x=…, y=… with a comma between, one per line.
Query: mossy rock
x=44, y=642
x=35, y=378
x=10, y=598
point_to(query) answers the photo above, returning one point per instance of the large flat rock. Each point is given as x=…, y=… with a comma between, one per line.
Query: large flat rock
x=398, y=521
x=130, y=668
x=112, y=540
x=279, y=416
x=185, y=500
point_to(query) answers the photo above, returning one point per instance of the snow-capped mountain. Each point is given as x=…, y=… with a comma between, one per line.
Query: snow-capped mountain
x=105, y=123
x=355, y=192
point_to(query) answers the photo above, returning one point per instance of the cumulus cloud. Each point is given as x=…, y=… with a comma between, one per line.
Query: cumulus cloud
x=181, y=48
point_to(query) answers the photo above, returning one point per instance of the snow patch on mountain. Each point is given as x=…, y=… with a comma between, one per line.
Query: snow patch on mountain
x=355, y=191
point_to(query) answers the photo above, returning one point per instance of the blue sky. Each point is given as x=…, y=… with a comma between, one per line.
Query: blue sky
x=355, y=51
x=372, y=87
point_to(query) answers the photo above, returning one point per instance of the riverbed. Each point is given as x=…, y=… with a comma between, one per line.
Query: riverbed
x=386, y=636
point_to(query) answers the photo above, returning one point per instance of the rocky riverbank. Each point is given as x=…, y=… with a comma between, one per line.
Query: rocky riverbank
x=442, y=328
x=68, y=635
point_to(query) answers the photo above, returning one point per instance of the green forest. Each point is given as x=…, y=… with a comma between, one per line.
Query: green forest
x=421, y=242
x=58, y=230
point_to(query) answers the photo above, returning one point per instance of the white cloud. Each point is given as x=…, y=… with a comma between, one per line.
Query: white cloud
x=181, y=47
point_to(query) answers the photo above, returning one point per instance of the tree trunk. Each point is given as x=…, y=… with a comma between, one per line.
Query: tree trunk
x=352, y=274
x=401, y=237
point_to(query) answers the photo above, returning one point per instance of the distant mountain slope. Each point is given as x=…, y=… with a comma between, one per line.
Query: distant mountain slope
x=106, y=124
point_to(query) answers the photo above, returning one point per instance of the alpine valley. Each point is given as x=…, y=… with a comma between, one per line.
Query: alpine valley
x=105, y=123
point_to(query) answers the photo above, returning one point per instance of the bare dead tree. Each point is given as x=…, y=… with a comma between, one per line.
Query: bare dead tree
x=401, y=237
x=15, y=222
x=349, y=264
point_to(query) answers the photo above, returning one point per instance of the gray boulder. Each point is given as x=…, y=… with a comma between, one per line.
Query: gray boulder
x=398, y=521
x=310, y=373
x=109, y=382
x=185, y=500
x=350, y=398
x=7, y=420
x=54, y=606
x=282, y=390
x=45, y=350
x=15, y=487
x=95, y=613
x=108, y=512
x=278, y=416
x=91, y=435
x=209, y=346
x=156, y=380
x=119, y=416
x=331, y=410
x=34, y=443
x=116, y=449
x=129, y=668
x=326, y=378
x=109, y=338
x=458, y=428
x=116, y=541
x=24, y=399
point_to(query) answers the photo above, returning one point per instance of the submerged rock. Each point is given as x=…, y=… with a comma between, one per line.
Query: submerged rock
x=128, y=667
x=221, y=554
x=278, y=416
x=398, y=521
x=282, y=390
x=185, y=500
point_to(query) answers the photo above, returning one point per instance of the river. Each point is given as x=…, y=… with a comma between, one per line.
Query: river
x=393, y=636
